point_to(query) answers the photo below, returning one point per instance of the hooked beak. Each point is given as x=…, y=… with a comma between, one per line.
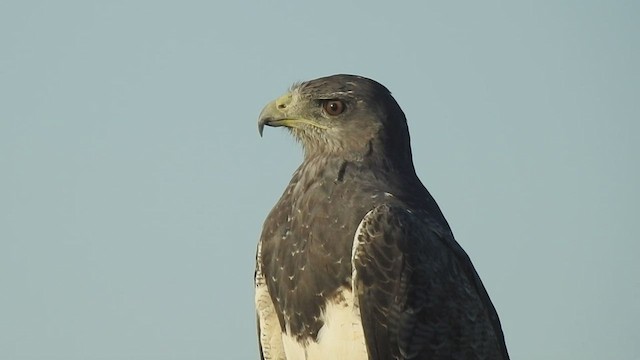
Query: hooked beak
x=274, y=113
x=278, y=113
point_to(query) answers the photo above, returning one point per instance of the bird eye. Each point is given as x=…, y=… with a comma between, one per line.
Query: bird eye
x=333, y=107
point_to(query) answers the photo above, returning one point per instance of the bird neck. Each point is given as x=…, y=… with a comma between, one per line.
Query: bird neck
x=367, y=166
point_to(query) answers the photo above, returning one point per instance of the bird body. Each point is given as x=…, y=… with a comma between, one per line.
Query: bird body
x=356, y=261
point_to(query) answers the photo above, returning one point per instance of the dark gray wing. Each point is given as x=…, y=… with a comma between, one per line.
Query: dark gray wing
x=418, y=294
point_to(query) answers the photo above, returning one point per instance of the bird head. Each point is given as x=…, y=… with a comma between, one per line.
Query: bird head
x=341, y=115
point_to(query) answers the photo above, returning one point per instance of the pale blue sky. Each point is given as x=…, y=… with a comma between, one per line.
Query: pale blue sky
x=133, y=182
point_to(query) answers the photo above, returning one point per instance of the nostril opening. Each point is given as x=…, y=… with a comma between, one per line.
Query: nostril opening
x=281, y=106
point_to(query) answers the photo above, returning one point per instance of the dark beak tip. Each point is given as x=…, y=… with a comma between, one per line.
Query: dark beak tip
x=262, y=122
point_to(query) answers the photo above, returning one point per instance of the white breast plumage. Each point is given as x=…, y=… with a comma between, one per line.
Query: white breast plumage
x=341, y=336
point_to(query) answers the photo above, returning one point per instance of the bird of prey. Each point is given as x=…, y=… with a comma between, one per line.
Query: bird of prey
x=356, y=260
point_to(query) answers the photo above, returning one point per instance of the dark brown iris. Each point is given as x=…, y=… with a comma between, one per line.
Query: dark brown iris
x=333, y=107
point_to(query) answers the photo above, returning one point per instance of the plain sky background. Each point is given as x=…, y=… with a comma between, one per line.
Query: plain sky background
x=133, y=182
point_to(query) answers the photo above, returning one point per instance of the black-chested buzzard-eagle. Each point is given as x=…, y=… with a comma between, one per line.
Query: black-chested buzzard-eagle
x=356, y=260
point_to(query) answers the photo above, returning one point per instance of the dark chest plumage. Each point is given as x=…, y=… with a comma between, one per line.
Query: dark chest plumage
x=307, y=241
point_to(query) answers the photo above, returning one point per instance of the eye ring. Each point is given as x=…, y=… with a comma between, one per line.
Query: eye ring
x=333, y=107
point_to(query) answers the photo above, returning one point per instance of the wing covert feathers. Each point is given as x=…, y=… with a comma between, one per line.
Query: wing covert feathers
x=418, y=296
